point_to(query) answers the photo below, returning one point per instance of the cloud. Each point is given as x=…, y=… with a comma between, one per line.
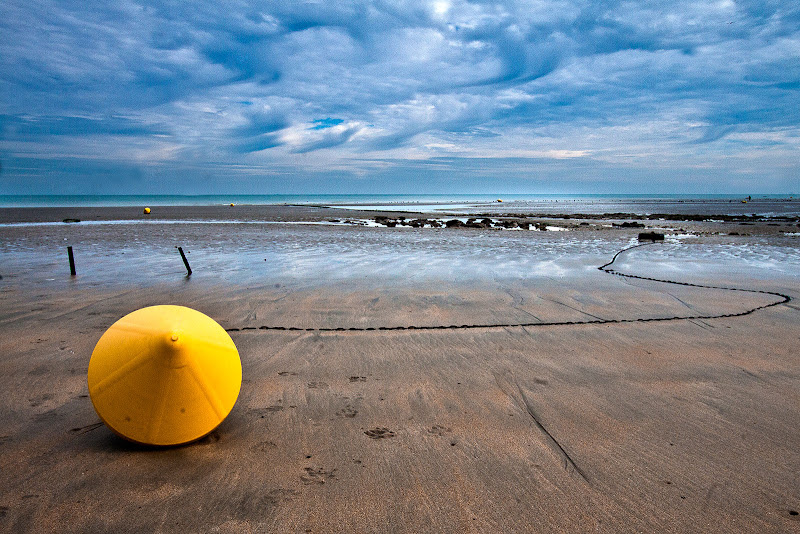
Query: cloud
x=354, y=85
x=25, y=127
x=308, y=139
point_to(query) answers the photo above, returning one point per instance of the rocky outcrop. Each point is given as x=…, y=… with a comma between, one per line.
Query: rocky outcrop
x=651, y=236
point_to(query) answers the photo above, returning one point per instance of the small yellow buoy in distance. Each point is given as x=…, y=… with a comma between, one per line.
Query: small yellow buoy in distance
x=499, y=199
x=164, y=375
x=147, y=211
x=232, y=204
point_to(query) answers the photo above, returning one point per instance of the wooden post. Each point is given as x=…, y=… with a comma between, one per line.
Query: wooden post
x=185, y=262
x=71, y=261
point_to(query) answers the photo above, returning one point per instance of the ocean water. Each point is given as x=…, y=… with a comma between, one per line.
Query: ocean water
x=143, y=252
x=299, y=255
x=306, y=256
x=466, y=204
x=211, y=200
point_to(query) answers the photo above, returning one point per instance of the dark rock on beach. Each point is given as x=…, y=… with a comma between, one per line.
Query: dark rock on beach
x=475, y=223
x=651, y=236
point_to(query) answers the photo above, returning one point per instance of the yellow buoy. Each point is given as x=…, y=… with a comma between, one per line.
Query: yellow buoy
x=232, y=204
x=147, y=211
x=164, y=375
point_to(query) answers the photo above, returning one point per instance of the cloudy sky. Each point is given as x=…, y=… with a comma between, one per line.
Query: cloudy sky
x=528, y=96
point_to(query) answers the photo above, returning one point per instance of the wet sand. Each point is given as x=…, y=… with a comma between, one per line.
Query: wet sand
x=671, y=426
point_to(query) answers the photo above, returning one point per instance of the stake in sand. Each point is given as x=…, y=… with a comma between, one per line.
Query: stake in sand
x=164, y=375
x=71, y=261
x=185, y=262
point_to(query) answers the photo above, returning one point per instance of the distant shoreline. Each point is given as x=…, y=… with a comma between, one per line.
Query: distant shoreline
x=784, y=213
x=37, y=201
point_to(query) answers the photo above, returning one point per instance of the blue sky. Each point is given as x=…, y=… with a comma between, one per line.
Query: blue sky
x=399, y=97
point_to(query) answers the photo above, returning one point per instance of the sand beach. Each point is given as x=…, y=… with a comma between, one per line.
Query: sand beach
x=401, y=379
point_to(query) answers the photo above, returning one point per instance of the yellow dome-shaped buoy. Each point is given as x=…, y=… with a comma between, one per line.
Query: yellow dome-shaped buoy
x=164, y=375
x=147, y=211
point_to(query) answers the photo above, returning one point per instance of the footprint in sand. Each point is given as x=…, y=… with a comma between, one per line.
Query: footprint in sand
x=317, y=475
x=38, y=401
x=348, y=411
x=358, y=379
x=379, y=433
x=264, y=446
x=317, y=385
x=439, y=430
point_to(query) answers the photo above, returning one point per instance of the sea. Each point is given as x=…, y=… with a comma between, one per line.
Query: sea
x=111, y=253
x=787, y=205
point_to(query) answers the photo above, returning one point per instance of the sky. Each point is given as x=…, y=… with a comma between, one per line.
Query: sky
x=529, y=96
